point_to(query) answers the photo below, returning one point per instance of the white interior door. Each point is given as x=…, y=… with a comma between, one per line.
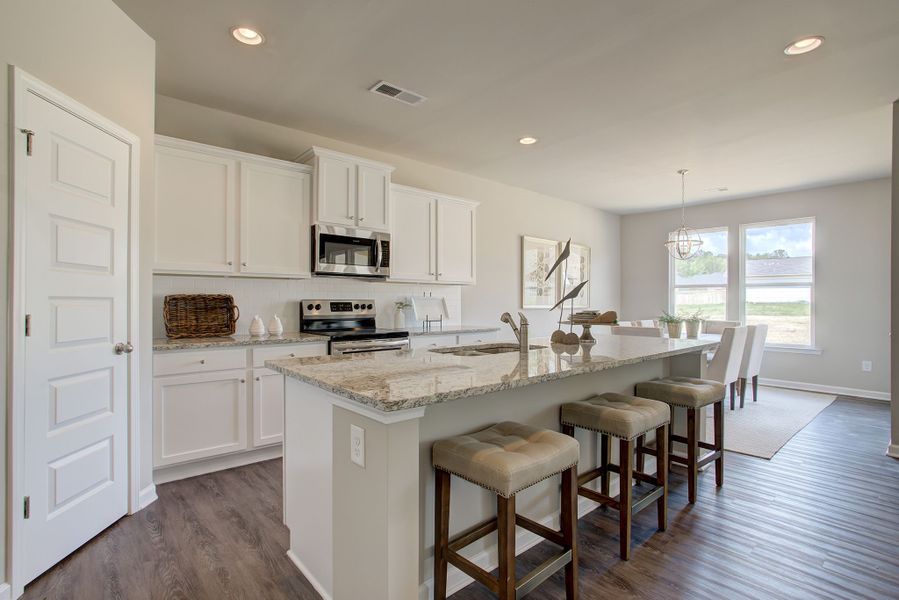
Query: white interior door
x=75, y=289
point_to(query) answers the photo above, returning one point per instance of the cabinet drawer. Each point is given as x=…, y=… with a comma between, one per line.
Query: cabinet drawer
x=199, y=361
x=260, y=355
x=433, y=341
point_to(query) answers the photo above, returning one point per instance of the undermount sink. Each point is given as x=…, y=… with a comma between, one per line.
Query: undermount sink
x=483, y=349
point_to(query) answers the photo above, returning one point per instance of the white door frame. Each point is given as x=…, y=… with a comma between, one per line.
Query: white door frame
x=21, y=84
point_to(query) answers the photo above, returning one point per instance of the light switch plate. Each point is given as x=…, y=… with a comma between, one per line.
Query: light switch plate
x=866, y=366
x=357, y=445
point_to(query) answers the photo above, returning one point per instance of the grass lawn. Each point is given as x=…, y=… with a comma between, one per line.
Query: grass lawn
x=765, y=309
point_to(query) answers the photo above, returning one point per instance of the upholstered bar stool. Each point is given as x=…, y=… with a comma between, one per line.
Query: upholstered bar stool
x=506, y=459
x=694, y=395
x=628, y=419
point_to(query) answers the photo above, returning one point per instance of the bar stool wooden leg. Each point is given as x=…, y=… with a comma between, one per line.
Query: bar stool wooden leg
x=441, y=531
x=733, y=392
x=755, y=388
x=625, y=477
x=605, y=454
x=692, y=454
x=718, y=412
x=505, y=512
x=662, y=474
x=569, y=529
x=641, y=441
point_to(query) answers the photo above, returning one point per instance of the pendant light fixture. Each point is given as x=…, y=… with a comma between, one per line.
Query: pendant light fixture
x=684, y=243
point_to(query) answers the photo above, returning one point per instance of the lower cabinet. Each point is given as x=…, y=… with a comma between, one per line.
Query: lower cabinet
x=199, y=415
x=451, y=339
x=268, y=407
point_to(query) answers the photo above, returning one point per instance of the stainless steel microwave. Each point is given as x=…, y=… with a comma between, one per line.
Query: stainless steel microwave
x=350, y=252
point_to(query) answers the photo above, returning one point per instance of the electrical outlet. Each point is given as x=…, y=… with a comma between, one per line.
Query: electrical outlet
x=866, y=366
x=357, y=445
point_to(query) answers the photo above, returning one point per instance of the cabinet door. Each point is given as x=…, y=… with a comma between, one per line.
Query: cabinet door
x=275, y=220
x=336, y=191
x=373, y=202
x=198, y=416
x=455, y=241
x=268, y=407
x=413, y=241
x=195, y=212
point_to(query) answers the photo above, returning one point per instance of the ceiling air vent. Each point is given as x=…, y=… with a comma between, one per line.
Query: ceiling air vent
x=397, y=93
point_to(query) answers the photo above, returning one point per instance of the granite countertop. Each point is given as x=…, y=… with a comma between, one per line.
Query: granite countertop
x=391, y=381
x=295, y=337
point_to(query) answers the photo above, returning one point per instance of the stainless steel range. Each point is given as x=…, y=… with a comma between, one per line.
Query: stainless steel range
x=350, y=326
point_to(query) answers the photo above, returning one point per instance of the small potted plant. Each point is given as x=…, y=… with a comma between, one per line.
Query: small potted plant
x=672, y=322
x=399, y=315
x=693, y=321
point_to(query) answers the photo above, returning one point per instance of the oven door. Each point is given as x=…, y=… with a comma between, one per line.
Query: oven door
x=358, y=346
x=349, y=252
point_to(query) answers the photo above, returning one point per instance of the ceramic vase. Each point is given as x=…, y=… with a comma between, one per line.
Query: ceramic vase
x=693, y=329
x=275, y=327
x=257, y=327
x=399, y=319
x=674, y=329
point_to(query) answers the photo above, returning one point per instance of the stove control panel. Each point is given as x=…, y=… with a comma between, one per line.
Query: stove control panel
x=336, y=308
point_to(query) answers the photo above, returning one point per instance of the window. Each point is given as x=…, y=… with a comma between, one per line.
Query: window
x=779, y=280
x=700, y=284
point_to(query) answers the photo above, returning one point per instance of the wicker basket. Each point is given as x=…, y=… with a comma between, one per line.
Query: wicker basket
x=200, y=315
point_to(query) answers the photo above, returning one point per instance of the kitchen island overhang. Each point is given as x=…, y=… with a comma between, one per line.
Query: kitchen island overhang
x=366, y=531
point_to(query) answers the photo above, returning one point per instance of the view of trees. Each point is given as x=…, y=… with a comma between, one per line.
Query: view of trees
x=703, y=263
x=773, y=254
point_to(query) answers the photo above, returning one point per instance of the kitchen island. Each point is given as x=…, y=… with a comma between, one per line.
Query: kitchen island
x=358, y=483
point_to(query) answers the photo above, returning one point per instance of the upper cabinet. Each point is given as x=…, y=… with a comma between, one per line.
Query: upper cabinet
x=208, y=198
x=349, y=191
x=433, y=237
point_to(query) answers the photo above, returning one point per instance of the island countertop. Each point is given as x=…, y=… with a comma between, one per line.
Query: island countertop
x=393, y=381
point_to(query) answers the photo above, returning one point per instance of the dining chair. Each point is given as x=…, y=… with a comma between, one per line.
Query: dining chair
x=638, y=331
x=717, y=326
x=626, y=323
x=725, y=365
x=752, y=360
x=647, y=323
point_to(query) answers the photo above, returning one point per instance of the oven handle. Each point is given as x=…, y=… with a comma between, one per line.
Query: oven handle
x=357, y=347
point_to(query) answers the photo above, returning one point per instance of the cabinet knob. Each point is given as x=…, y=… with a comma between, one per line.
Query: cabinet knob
x=243, y=264
x=439, y=274
x=259, y=379
x=292, y=355
x=202, y=361
x=243, y=380
x=361, y=219
x=230, y=263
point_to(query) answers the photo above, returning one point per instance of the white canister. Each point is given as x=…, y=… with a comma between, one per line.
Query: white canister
x=275, y=327
x=399, y=319
x=257, y=327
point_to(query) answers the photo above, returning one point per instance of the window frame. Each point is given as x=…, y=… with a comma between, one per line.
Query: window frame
x=672, y=274
x=811, y=347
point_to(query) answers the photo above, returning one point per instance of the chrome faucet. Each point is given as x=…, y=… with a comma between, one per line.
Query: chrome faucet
x=520, y=334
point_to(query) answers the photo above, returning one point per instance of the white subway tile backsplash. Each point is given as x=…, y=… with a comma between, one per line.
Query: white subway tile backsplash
x=267, y=297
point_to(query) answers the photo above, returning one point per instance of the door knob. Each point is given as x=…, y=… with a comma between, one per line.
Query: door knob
x=124, y=348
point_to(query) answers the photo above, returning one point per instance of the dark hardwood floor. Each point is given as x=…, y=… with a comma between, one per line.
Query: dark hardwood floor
x=820, y=520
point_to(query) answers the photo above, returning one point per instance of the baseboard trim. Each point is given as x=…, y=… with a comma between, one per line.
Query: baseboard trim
x=309, y=576
x=5, y=591
x=146, y=497
x=218, y=463
x=524, y=540
x=893, y=450
x=826, y=389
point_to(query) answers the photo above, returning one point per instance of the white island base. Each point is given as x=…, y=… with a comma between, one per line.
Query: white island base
x=367, y=532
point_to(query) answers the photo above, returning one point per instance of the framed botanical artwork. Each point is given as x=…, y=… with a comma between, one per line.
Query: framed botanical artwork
x=537, y=258
x=578, y=271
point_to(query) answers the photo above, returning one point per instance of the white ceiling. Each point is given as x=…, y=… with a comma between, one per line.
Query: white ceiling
x=620, y=93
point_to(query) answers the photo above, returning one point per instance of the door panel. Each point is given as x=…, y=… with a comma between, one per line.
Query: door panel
x=268, y=407
x=75, y=286
x=413, y=243
x=374, y=198
x=275, y=221
x=455, y=242
x=336, y=193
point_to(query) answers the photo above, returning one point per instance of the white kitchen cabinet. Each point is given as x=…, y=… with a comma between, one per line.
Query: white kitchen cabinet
x=275, y=217
x=433, y=237
x=199, y=415
x=419, y=342
x=480, y=337
x=268, y=407
x=206, y=196
x=349, y=191
x=195, y=211
x=413, y=241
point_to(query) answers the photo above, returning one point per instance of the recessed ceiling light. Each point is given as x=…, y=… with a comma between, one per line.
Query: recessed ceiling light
x=527, y=140
x=247, y=36
x=804, y=45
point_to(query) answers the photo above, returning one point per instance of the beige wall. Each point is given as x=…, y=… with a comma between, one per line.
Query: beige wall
x=852, y=266
x=894, y=299
x=504, y=215
x=92, y=52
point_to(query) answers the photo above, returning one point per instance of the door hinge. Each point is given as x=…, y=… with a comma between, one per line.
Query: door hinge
x=27, y=325
x=29, y=140
x=27, y=507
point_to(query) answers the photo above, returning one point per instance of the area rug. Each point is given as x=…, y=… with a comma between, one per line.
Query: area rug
x=762, y=428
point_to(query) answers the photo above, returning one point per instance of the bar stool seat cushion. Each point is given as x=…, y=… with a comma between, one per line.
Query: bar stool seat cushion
x=507, y=457
x=622, y=416
x=688, y=392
